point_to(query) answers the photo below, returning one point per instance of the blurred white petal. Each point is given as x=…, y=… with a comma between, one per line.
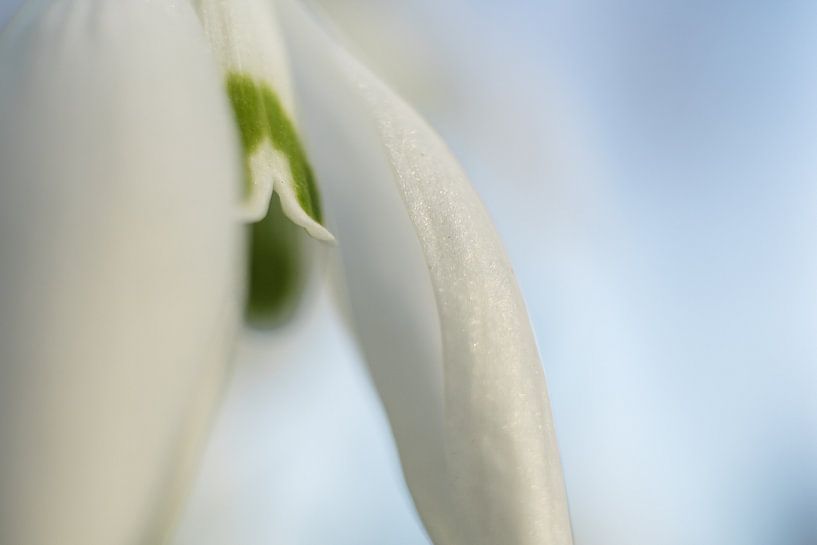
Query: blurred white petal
x=120, y=265
x=437, y=309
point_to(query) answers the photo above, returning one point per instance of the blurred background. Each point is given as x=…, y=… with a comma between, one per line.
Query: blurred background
x=651, y=167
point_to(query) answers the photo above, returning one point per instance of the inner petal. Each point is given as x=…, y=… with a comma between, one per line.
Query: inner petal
x=246, y=41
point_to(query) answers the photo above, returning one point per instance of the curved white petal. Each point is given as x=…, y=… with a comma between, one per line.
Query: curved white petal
x=437, y=310
x=119, y=265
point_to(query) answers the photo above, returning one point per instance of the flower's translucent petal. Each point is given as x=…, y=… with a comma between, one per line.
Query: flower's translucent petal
x=438, y=312
x=247, y=42
x=120, y=264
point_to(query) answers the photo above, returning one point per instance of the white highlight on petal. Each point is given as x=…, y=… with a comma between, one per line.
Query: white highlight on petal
x=262, y=165
x=292, y=208
x=121, y=266
x=448, y=341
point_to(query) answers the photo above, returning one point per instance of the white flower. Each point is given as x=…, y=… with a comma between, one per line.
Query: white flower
x=135, y=137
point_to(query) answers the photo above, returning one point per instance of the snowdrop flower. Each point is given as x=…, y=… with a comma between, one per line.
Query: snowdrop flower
x=136, y=139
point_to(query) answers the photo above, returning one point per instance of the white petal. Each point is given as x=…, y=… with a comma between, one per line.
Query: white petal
x=438, y=312
x=120, y=258
x=247, y=41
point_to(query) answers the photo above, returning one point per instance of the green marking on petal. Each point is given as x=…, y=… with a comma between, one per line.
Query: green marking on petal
x=248, y=109
x=277, y=271
x=285, y=139
x=260, y=116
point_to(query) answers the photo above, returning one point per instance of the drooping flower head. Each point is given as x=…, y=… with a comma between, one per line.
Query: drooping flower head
x=135, y=138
